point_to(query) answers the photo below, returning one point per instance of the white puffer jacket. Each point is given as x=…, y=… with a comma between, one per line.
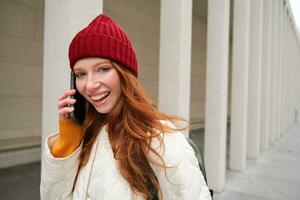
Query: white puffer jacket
x=100, y=179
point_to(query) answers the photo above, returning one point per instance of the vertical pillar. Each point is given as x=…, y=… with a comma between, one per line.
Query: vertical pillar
x=254, y=87
x=279, y=70
x=273, y=70
x=266, y=65
x=289, y=73
x=276, y=91
x=288, y=69
x=62, y=20
x=285, y=68
x=280, y=116
x=216, y=92
x=175, y=57
x=240, y=53
x=276, y=66
x=283, y=124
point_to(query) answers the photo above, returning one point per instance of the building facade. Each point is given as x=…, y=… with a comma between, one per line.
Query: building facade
x=230, y=67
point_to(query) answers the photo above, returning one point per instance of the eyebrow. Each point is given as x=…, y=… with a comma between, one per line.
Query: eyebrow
x=94, y=65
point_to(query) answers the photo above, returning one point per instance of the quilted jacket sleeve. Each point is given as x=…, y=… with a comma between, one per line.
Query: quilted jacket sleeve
x=58, y=174
x=183, y=179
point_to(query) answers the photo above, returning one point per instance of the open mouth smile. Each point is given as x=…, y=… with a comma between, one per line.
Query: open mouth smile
x=100, y=97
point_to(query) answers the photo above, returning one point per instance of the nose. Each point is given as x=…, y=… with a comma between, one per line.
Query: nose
x=92, y=83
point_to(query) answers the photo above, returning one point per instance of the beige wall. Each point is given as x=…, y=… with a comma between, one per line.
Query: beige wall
x=21, y=47
x=140, y=19
x=198, y=73
x=21, y=54
x=21, y=37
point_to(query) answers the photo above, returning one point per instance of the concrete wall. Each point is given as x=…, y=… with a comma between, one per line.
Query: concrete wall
x=21, y=50
x=197, y=110
x=21, y=46
x=140, y=19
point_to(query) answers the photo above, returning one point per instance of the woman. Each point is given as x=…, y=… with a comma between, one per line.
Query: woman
x=125, y=148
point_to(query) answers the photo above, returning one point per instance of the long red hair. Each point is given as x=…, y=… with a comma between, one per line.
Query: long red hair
x=132, y=124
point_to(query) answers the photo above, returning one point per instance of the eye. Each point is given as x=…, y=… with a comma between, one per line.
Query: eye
x=103, y=68
x=79, y=74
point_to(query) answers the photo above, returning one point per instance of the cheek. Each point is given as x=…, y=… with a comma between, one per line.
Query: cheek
x=114, y=84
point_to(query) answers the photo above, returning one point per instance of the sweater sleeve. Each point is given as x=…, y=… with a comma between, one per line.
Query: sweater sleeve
x=183, y=178
x=58, y=174
x=70, y=137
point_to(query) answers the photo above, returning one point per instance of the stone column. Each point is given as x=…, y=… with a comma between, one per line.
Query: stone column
x=286, y=47
x=255, y=87
x=273, y=70
x=280, y=122
x=62, y=20
x=216, y=92
x=277, y=71
x=289, y=72
x=175, y=57
x=240, y=61
x=285, y=65
x=266, y=68
x=290, y=66
x=279, y=65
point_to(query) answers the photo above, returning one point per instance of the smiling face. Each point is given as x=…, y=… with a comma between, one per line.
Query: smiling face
x=98, y=82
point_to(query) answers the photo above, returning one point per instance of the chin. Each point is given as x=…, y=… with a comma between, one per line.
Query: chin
x=103, y=110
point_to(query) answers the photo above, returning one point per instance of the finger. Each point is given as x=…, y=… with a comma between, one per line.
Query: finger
x=66, y=102
x=67, y=93
x=65, y=111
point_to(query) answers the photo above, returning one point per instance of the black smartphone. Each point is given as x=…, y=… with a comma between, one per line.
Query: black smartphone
x=78, y=115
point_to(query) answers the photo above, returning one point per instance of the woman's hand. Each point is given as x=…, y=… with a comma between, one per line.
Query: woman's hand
x=64, y=102
x=70, y=133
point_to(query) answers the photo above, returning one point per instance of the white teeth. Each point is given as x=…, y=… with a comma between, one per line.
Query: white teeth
x=98, y=97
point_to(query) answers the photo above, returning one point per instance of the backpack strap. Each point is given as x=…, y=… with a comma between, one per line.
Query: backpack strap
x=200, y=159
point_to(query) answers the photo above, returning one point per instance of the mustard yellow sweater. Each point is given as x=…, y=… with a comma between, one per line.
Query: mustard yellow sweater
x=70, y=137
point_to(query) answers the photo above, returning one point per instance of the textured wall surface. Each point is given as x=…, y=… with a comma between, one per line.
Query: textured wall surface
x=21, y=54
x=140, y=19
x=198, y=72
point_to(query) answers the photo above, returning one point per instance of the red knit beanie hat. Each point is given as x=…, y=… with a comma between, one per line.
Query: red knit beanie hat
x=106, y=39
